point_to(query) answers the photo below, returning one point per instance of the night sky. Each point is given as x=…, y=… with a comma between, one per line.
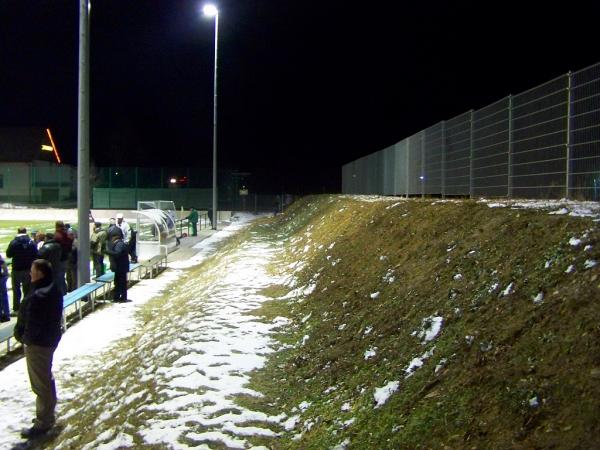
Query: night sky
x=305, y=86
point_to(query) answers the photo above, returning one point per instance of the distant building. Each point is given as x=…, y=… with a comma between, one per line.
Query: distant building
x=31, y=170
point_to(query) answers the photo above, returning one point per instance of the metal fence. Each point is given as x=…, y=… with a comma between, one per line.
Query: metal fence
x=541, y=143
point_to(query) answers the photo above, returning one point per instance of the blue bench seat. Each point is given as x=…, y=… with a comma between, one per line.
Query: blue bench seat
x=80, y=293
x=6, y=333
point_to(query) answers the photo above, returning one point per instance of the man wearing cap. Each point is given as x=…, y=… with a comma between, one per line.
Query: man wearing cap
x=124, y=226
x=23, y=251
x=97, y=247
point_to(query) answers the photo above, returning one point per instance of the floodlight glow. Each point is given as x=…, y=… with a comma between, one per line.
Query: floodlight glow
x=173, y=181
x=210, y=10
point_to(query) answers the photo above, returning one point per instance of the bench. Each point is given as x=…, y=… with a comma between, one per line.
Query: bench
x=89, y=290
x=6, y=334
x=109, y=275
x=82, y=292
x=154, y=263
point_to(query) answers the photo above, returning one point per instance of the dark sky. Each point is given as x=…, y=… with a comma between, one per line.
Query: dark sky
x=305, y=86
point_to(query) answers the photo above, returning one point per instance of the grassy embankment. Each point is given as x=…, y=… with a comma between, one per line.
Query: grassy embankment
x=520, y=370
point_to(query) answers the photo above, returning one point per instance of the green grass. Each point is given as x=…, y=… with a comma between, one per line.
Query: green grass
x=493, y=355
x=480, y=399
x=8, y=230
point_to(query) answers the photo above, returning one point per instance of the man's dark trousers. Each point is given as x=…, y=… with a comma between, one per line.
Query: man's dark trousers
x=20, y=279
x=120, y=285
x=98, y=264
x=39, y=367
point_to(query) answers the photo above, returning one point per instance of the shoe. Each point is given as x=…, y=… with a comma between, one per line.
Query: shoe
x=4, y=319
x=33, y=432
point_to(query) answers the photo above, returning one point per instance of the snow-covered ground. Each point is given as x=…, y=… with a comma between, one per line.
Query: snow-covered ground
x=182, y=398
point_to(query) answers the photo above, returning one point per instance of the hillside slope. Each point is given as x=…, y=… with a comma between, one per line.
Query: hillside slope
x=430, y=324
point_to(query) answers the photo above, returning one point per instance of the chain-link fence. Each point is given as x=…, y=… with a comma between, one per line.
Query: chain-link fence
x=541, y=143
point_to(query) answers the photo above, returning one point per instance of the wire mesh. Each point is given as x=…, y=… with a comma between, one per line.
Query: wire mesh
x=432, y=159
x=541, y=143
x=491, y=150
x=585, y=134
x=539, y=140
x=415, y=164
x=388, y=163
x=457, y=154
x=400, y=168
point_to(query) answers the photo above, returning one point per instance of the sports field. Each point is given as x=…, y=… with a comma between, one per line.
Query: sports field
x=8, y=230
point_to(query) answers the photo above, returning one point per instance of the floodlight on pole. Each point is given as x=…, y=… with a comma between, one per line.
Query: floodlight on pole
x=211, y=10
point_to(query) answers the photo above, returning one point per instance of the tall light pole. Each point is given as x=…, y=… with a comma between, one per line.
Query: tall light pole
x=83, y=145
x=212, y=11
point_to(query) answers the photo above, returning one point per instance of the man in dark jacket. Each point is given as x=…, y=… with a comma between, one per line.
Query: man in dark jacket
x=39, y=329
x=119, y=254
x=65, y=240
x=23, y=251
x=112, y=232
x=51, y=251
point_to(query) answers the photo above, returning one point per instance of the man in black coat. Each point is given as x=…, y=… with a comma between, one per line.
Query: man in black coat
x=39, y=329
x=118, y=251
x=51, y=251
x=23, y=251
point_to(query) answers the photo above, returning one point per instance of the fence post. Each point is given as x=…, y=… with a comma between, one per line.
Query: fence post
x=510, y=148
x=568, y=149
x=422, y=177
x=471, y=188
x=443, y=159
x=407, y=167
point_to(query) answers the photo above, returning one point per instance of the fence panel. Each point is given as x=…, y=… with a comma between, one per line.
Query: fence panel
x=539, y=140
x=415, y=164
x=401, y=168
x=490, y=150
x=348, y=178
x=458, y=152
x=541, y=143
x=432, y=159
x=585, y=134
x=388, y=163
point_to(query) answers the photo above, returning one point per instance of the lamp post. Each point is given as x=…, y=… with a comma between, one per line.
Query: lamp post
x=83, y=145
x=212, y=11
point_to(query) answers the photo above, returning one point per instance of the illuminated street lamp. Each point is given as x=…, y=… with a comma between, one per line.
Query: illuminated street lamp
x=210, y=10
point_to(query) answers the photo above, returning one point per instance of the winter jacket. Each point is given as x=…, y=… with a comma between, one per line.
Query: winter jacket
x=193, y=217
x=23, y=252
x=126, y=229
x=119, y=253
x=39, y=321
x=51, y=251
x=65, y=240
x=98, y=241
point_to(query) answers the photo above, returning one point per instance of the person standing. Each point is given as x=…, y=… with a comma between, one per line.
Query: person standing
x=52, y=252
x=120, y=266
x=71, y=263
x=65, y=240
x=125, y=229
x=4, y=306
x=132, y=244
x=40, y=237
x=38, y=328
x=193, y=219
x=97, y=244
x=23, y=251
